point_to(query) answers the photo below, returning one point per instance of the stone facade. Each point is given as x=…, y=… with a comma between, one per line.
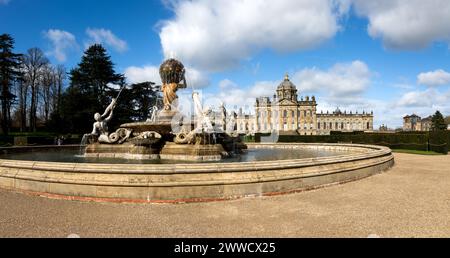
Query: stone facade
x=289, y=115
x=416, y=123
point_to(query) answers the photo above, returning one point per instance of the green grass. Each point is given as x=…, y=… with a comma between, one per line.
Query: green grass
x=33, y=134
x=418, y=152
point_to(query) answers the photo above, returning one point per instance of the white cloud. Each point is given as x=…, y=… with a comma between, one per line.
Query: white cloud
x=423, y=103
x=136, y=74
x=418, y=99
x=194, y=78
x=343, y=79
x=341, y=85
x=216, y=35
x=62, y=41
x=406, y=24
x=435, y=78
x=103, y=36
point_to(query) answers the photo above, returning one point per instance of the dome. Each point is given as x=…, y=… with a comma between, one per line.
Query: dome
x=287, y=84
x=287, y=90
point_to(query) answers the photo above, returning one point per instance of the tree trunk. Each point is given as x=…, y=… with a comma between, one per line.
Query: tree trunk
x=4, y=115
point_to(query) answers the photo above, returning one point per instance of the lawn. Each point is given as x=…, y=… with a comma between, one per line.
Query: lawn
x=418, y=152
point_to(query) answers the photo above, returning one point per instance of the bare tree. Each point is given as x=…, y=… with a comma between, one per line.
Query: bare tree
x=34, y=62
x=47, y=92
x=22, y=93
x=60, y=73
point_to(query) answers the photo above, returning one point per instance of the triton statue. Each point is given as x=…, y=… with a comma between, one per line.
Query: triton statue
x=101, y=124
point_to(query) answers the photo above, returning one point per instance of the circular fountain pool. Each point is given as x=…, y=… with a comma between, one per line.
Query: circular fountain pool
x=72, y=155
x=267, y=169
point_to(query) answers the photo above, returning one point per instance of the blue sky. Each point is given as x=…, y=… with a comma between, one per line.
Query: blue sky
x=390, y=56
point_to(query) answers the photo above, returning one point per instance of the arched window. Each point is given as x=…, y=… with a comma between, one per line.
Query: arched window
x=285, y=114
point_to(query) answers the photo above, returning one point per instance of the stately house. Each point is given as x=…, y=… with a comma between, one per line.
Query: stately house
x=416, y=123
x=287, y=114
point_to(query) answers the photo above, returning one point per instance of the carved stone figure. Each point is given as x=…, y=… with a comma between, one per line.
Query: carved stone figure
x=223, y=112
x=154, y=114
x=101, y=123
x=203, y=123
x=172, y=74
x=100, y=130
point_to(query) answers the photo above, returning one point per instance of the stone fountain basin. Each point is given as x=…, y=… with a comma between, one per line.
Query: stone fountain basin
x=195, y=182
x=162, y=127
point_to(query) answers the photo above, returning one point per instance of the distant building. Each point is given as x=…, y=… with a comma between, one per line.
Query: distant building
x=412, y=123
x=289, y=115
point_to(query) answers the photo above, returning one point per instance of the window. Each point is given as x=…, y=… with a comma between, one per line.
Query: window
x=368, y=125
x=285, y=114
x=331, y=126
x=318, y=125
x=293, y=114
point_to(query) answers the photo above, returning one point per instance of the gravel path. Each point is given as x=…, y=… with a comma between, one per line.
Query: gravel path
x=411, y=200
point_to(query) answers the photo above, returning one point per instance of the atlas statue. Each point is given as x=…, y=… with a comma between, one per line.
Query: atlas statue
x=172, y=74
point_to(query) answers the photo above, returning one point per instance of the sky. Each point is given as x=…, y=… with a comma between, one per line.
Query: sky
x=389, y=56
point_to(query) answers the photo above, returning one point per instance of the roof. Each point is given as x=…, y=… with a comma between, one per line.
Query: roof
x=287, y=84
x=413, y=115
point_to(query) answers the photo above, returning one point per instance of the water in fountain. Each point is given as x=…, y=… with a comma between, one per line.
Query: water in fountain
x=83, y=144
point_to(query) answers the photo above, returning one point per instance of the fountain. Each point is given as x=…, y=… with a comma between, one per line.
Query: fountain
x=175, y=159
x=167, y=134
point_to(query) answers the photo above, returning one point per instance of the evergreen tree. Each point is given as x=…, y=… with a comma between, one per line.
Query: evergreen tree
x=143, y=99
x=438, y=122
x=9, y=73
x=95, y=75
x=447, y=120
x=90, y=90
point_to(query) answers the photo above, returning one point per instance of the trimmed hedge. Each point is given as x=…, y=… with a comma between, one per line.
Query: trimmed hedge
x=38, y=140
x=6, y=140
x=394, y=141
x=439, y=141
x=422, y=141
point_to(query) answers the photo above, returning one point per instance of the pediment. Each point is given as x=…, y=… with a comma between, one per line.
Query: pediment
x=287, y=102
